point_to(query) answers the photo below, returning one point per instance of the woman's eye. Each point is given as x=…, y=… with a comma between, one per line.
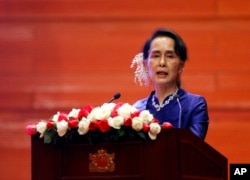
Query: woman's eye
x=155, y=55
x=170, y=56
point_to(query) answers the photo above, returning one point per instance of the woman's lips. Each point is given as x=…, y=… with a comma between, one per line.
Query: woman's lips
x=161, y=73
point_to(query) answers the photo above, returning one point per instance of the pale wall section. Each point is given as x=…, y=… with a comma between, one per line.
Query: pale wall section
x=56, y=55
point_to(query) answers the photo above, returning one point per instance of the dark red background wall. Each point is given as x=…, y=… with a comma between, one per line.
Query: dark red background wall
x=56, y=55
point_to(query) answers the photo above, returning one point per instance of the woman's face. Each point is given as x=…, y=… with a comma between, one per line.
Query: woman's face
x=163, y=65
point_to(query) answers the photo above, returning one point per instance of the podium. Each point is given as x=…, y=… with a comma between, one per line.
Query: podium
x=176, y=154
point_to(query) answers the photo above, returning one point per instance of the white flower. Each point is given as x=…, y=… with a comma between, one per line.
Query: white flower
x=55, y=117
x=83, y=126
x=103, y=112
x=146, y=116
x=137, y=123
x=93, y=115
x=41, y=127
x=116, y=122
x=106, y=110
x=73, y=113
x=154, y=129
x=62, y=127
x=108, y=106
x=125, y=110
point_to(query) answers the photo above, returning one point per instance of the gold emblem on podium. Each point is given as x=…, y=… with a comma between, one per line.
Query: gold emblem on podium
x=101, y=161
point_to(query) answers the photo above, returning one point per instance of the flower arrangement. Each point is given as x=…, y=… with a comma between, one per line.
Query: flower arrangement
x=108, y=122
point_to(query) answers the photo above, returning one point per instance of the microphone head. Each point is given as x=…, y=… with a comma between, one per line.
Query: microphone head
x=117, y=95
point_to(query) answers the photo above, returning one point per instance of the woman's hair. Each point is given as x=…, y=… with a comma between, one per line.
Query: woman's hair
x=179, y=46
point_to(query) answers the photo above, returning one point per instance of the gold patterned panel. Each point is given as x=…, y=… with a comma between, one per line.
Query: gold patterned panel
x=101, y=161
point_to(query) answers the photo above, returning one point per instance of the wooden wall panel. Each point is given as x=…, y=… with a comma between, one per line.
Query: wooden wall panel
x=233, y=50
x=233, y=8
x=234, y=81
x=229, y=133
x=15, y=100
x=108, y=8
x=204, y=82
x=86, y=52
x=16, y=50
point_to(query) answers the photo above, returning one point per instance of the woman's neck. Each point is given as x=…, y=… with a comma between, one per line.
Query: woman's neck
x=162, y=92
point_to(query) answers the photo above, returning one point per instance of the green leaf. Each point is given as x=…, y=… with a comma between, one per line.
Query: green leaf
x=69, y=135
x=48, y=136
x=142, y=134
x=121, y=132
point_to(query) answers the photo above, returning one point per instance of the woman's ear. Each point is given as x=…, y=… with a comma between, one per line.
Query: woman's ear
x=181, y=67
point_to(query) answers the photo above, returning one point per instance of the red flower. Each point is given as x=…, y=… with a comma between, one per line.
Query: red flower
x=135, y=114
x=31, y=129
x=73, y=123
x=127, y=122
x=167, y=125
x=50, y=124
x=62, y=116
x=114, y=111
x=145, y=127
x=155, y=120
x=93, y=125
x=85, y=111
x=103, y=125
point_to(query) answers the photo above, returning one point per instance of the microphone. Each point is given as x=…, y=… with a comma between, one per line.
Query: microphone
x=180, y=109
x=116, y=96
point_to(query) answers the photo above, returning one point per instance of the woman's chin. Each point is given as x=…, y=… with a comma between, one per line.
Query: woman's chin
x=161, y=81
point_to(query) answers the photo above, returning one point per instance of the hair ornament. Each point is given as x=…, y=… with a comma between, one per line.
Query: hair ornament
x=141, y=74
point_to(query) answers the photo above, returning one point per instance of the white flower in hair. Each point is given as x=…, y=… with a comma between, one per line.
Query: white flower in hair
x=141, y=74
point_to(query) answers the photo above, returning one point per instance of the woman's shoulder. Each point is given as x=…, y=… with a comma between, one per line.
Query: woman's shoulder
x=191, y=98
x=189, y=95
x=141, y=103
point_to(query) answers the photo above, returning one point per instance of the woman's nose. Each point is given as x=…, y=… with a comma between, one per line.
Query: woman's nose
x=162, y=61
